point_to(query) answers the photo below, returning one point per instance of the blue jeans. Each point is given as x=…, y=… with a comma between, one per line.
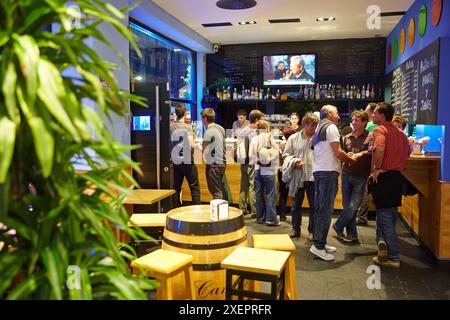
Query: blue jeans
x=296, y=210
x=326, y=186
x=265, y=211
x=353, y=189
x=386, y=230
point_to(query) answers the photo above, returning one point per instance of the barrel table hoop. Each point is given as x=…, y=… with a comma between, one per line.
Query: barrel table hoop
x=190, y=230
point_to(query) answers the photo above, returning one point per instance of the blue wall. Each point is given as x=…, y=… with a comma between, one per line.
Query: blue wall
x=432, y=34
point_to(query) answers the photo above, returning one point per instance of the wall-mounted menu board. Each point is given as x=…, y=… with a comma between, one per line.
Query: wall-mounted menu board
x=415, y=86
x=344, y=61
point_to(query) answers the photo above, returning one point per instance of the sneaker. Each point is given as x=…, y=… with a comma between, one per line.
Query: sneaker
x=294, y=234
x=387, y=263
x=322, y=254
x=340, y=235
x=310, y=237
x=382, y=251
x=330, y=249
x=351, y=239
x=273, y=224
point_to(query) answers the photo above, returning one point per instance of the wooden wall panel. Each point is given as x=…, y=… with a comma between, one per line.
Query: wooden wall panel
x=444, y=235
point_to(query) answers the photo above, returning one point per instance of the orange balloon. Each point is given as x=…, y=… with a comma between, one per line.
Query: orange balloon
x=411, y=32
x=402, y=41
x=436, y=12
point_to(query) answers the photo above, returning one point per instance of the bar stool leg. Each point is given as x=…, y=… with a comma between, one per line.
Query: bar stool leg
x=290, y=280
x=189, y=282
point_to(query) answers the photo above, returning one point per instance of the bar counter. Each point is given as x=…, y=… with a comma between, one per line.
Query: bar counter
x=428, y=212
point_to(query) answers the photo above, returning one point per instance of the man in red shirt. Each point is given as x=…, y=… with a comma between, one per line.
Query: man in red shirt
x=390, y=152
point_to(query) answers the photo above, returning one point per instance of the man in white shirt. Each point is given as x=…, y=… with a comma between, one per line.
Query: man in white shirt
x=327, y=167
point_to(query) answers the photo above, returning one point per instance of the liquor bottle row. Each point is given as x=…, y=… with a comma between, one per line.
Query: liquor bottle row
x=307, y=92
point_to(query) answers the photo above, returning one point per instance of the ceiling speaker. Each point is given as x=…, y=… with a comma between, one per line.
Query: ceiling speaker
x=236, y=4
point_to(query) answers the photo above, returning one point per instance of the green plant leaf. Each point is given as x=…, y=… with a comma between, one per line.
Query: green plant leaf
x=28, y=54
x=44, y=144
x=9, y=268
x=25, y=288
x=52, y=95
x=8, y=89
x=7, y=139
x=53, y=270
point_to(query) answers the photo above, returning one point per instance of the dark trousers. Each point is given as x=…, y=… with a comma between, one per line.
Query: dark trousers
x=188, y=171
x=282, y=200
x=214, y=179
x=296, y=212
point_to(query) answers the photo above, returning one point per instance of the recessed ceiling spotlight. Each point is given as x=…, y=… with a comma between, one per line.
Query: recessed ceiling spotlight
x=323, y=19
x=247, y=22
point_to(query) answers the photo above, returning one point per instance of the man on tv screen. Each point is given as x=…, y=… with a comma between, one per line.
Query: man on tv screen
x=297, y=70
x=281, y=71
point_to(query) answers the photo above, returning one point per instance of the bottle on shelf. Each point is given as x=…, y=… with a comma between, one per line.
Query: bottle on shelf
x=305, y=92
x=229, y=93
x=317, y=92
x=235, y=95
x=268, y=94
x=372, y=92
x=363, y=92
x=224, y=95
x=278, y=94
x=260, y=94
x=358, y=93
x=368, y=91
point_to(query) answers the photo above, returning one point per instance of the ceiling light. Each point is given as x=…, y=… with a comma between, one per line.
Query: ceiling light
x=177, y=50
x=247, y=22
x=323, y=19
x=138, y=78
x=236, y=4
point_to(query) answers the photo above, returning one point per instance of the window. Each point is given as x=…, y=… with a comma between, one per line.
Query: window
x=163, y=61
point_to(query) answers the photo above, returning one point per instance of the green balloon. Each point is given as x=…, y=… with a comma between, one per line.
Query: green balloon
x=395, y=53
x=423, y=17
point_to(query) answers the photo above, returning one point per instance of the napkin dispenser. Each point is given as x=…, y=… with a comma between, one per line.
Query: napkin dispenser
x=219, y=210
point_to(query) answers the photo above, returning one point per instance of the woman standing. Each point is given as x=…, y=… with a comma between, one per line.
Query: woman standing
x=264, y=151
x=282, y=188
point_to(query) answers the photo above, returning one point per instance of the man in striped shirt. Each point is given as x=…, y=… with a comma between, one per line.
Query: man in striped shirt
x=390, y=152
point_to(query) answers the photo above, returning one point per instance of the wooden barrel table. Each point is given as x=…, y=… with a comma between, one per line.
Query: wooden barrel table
x=190, y=230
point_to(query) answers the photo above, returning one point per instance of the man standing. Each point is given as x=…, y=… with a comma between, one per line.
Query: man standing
x=327, y=157
x=182, y=143
x=299, y=146
x=363, y=211
x=354, y=177
x=247, y=192
x=241, y=122
x=214, y=153
x=390, y=152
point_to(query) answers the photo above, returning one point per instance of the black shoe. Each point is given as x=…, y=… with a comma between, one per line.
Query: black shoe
x=283, y=218
x=273, y=224
x=351, y=240
x=294, y=234
x=340, y=235
x=361, y=223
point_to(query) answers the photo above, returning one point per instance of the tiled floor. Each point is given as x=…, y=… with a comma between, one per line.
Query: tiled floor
x=346, y=278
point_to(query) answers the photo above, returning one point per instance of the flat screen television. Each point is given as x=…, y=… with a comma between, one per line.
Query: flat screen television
x=289, y=70
x=141, y=123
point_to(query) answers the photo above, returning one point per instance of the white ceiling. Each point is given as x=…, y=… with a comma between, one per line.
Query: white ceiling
x=351, y=17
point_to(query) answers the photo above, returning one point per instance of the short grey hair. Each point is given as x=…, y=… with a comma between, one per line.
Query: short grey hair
x=326, y=110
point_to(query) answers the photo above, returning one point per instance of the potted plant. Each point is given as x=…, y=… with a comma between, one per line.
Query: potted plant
x=55, y=235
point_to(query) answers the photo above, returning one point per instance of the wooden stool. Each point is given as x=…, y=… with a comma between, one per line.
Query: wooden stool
x=280, y=242
x=154, y=222
x=255, y=264
x=164, y=265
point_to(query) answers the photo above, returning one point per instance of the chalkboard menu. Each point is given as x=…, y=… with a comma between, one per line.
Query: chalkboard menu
x=415, y=86
x=344, y=61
